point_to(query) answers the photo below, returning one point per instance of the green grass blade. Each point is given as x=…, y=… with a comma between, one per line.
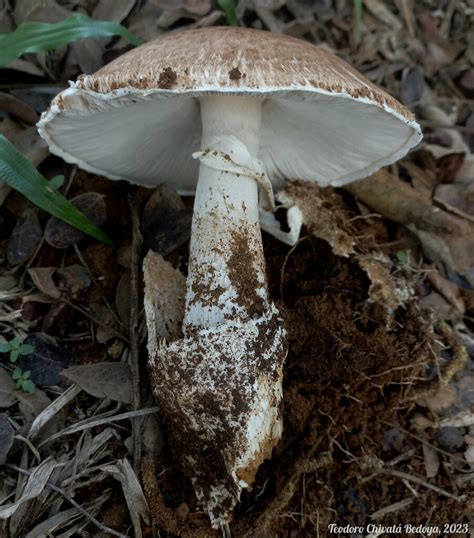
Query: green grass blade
x=357, y=21
x=228, y=6
x=18, y=172
x=43, y=37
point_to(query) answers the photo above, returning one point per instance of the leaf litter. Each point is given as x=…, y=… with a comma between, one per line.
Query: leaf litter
x=378, y=404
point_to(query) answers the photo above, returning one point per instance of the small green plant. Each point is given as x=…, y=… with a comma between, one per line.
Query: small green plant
x=406, y=261
x=402, y=257
x=16, y=348
x=23, y=380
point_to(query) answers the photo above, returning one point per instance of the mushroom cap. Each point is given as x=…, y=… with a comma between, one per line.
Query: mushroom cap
x=138, y=118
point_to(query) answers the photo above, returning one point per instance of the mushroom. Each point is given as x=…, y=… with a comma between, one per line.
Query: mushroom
x=226, y=114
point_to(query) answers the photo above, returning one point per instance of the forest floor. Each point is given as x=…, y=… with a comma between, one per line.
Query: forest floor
x=377, y=297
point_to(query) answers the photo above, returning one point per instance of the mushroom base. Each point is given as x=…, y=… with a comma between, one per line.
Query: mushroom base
x=222, y=407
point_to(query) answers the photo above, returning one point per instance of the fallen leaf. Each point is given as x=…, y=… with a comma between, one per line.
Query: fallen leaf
x=43, y=279
x=73, y=278
x=16, y=107
x=89, y=54
x=34, y=487
x=413, y=86
x=109, y=327
x=447, y=289
x=144, y=23
x=61, y=235
x=7, y=389
x=46, y=361
x=31, y=404
x=113, y=10
x=457, y=198
x=7, y=434
x=25, y=238
x=103, y=380
x=166, y=221
x=32, y=10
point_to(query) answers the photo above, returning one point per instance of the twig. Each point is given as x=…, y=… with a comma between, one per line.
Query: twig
x=135, y=274
x=66, y=495
x=424, y=441
x=418, y=480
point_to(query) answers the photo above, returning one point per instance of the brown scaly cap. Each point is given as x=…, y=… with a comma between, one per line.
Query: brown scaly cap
x=139, y=117
x=243, y=59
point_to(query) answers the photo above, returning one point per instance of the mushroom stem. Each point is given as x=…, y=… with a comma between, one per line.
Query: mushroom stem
x=226, y=278
x=221, y=384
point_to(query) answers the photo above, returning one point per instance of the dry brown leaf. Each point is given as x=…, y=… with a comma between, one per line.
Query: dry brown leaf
x=447, y=289
x=31, y=405
x=457, y=198
x=108, y=328
x=25, y=238
x=43, y=279
x=33, y=147
x=103, y=380
x=144, y=23
x=89, y=53
x=7, y=389
x=32, y=10
x=18, y=108
x=113, y=10
x=33, y=488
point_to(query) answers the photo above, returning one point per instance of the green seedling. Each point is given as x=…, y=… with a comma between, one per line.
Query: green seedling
x=23, y=380
x=405, y=261
x=16, y=349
